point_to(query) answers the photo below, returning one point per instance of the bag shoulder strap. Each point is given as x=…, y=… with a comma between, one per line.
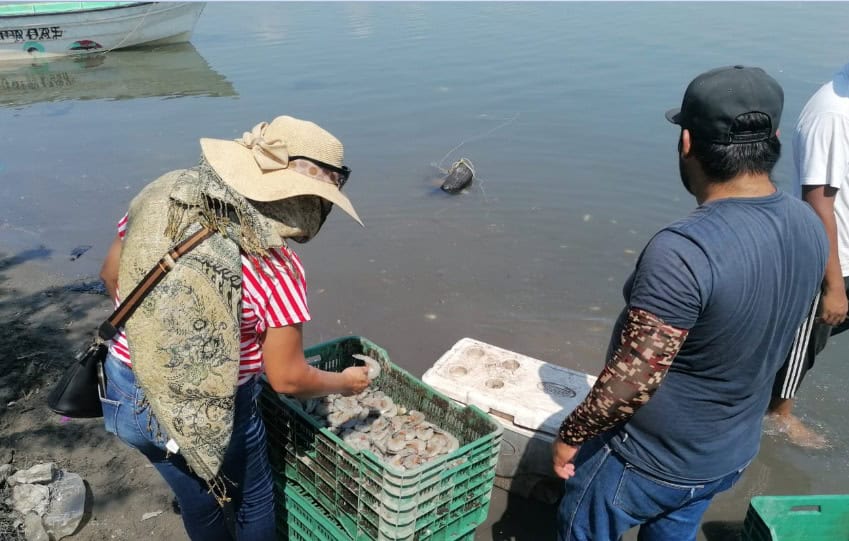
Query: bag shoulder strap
x=109, y=328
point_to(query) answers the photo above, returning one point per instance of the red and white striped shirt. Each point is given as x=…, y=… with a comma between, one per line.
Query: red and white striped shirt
x=270, y=298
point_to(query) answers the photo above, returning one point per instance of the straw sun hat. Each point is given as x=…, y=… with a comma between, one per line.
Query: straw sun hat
x=286, y=158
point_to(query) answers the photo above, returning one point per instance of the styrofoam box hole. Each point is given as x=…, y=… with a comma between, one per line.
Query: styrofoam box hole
x=494, y=383
x=458, y=371
x=475, y=352
x=510, y=364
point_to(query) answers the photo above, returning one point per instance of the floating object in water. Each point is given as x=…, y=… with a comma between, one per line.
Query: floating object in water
x=459, y=176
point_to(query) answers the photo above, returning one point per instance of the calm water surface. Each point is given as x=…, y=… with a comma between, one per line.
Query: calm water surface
x=558, y=105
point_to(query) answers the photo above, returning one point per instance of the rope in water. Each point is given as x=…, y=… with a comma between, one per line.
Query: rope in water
x=131, y=32
x=476, y=137
x=464, y=161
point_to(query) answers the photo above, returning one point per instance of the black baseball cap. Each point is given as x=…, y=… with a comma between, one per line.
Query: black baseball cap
x=715, y=99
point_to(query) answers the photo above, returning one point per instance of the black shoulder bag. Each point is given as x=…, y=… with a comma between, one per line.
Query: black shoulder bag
x=83, y=384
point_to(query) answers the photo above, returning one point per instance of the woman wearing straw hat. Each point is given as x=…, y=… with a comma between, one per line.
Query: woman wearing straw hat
x=182, y=375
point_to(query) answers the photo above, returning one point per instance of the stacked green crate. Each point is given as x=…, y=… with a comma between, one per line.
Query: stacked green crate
x=303, y=520
x=797, y=518
x=442, y=500
x=306, y=521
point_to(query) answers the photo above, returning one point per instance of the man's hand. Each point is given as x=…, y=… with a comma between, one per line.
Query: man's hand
x=834, y=306
x=833, y=302
x=563, y=454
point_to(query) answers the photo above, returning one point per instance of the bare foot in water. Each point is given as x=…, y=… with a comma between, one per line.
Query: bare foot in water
x=796, y=431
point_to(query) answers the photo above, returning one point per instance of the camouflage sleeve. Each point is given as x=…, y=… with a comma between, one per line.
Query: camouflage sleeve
x=646, y=349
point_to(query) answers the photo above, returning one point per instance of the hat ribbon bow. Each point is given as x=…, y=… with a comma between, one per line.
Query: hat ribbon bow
x=269, y=155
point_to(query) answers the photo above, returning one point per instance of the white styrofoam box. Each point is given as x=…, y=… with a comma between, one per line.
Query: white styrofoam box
x=530, y=394
x=529, y=397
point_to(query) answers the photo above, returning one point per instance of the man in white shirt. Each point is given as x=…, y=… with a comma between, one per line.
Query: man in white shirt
x=821, y=158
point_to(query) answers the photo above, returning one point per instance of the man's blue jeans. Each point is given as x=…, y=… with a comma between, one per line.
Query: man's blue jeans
x=245, y=468
x=607, y=497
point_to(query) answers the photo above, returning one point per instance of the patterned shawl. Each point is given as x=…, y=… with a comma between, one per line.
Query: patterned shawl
x=184, y=337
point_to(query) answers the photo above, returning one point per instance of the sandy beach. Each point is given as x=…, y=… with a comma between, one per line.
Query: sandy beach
x=43, y=324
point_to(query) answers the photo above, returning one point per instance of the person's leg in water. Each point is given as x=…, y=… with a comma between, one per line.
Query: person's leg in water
x=780, y=418
x=810, y=339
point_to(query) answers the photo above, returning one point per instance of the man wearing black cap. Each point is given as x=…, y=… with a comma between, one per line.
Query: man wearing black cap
x=711, y=308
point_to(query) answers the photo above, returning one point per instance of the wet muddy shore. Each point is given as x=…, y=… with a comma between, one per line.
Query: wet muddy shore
x=43, y=322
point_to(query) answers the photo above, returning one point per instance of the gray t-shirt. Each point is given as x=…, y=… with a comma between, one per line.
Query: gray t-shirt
x=740, y=275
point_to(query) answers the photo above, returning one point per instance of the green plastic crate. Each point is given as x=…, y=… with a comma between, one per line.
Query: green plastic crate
x=304, y=521
x=307, y=521
x=442, y=500
x=797, y=518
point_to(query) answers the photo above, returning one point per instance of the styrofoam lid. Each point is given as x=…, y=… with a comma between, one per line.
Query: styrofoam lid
x=530, y=393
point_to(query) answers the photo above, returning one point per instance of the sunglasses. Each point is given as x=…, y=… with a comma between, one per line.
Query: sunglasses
x=341, y=173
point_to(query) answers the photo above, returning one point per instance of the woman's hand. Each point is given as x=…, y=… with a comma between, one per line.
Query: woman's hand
x=288, y=372
x=356, y=378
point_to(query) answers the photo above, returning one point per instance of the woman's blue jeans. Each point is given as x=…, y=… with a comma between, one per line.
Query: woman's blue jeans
x=608, y=496
x=245, y=468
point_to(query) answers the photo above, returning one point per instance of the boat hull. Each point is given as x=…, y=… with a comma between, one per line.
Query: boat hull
x=84, y=32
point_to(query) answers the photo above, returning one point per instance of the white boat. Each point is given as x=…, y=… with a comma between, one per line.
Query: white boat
x=50, y=29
